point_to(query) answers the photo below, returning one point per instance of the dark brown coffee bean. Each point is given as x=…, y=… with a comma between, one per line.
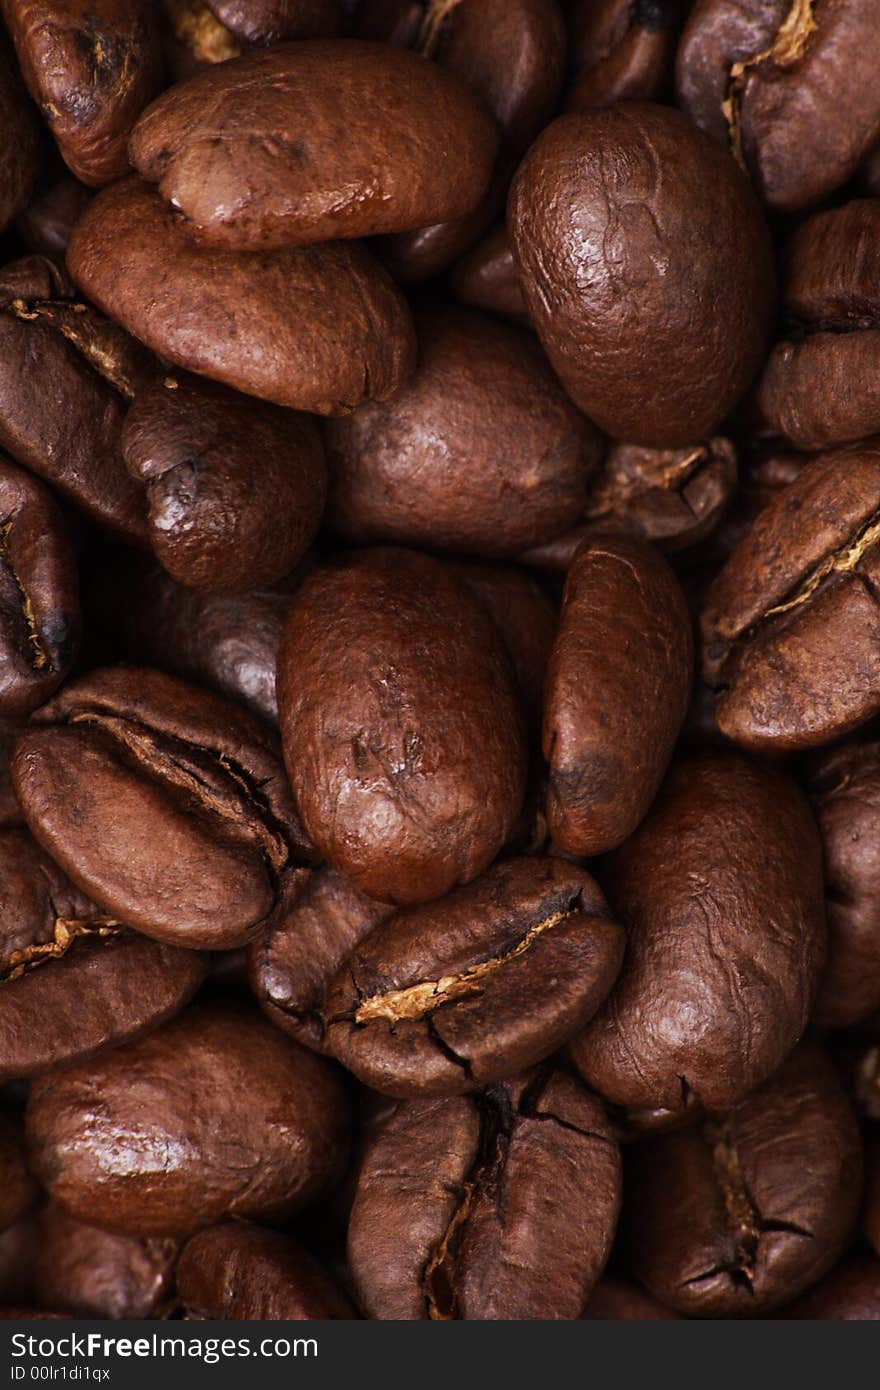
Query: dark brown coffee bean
x=310, y=142
x=62, y=415
x=791, y=625
x=39, y=594
x=486, y=278
x=10, y=811
x=789, y=85
x=613, y=707
x=850, y=1293
x=402, y=731
x=99, y=1274
x=526, y=620
x=167, y=804
x=621, y=50
x=92, y=66
x=19, y=140
x=736, y=1217
x=235, y=487
x=495, y=1206
x=721, y=891
x=647, y=270
x=612, y=1300
x=49, y=218
x=320, y=328
x=18, y=1190
x=215, y=1114
x=449, y=996
x=482, y=452
x=239, y=1271
x=271, y=21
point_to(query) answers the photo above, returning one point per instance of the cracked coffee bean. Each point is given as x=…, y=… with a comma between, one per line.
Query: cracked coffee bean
x=788, y=85
x=791, y=624
x=494, y=1206
x=167, y=804
x=243, y=1272
x=621, y=50
x=720, y=890
x=450, y=996
x=647, y=269
x=19, y=140
x=402, y=729
x=258, y=1128
x=736, y=1217
x=100, y=1274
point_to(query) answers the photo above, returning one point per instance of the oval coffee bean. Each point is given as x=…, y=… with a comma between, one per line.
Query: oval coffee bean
x=621, y=50
x=495, y=1206
x=309, y=142
x=617, y=691
x=73, y=979
x=737, y=1216
x=271, y=21
x=99, y=1274
x=450, y=996
x=39, y=594
x=167, y=804
x=403, y=736
x=791, y=624
x=647, y=270
x=481, y=452
x=720, y=889
x=321, y=328
x=215, y=1114
x=240, y=1271
x=92, y=66
x=235, y=487
x=19, y=141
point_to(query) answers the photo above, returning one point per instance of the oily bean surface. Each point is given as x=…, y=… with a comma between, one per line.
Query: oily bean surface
x=240, y=1271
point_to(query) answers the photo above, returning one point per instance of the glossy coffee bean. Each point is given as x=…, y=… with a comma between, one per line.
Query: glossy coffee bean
x=235, y=487
x=257, y=1127
x=19, y=141
x=495, y=1206
x=447, y=997
x=621, y=50
x=481, y=452
x=240, y=1271
x=738, y=1216
x=101, y=1274
x=165, y=803
x=403, y=736
x=617, y=689
x=647, y=270
x=720, y=889
x=790, y=624
x=486, y=278
x=266, y=22
x=319, y=328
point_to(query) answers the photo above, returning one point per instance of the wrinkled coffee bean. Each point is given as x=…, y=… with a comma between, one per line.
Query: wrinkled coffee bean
x=165, y=803
x=494, y=1206
x=791, y=626
x=482, y=452
x=486, y=278
x=99, y=1274
x=256, y=1129
x=240, y=1271
x=320, y=328
x=19, y=141
x=720, y=890
x=447, y=997
x=403, y=736
x=621, y=50
x=737, y=1216
x=613, y=709
x=235, y=487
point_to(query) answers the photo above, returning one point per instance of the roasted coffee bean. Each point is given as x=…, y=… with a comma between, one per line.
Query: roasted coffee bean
x=10, y=811
x=736, y=1217
x=486, y=278
x=240, y=1271
x=219, y=29
x=621, y=50
x=789, y=85
x=73, y=979
x=764, y=473
x=449, y=996
x=721, y=891
x=494, y=1206
x=165, y=803
x=402, y=731
x=844, y=786
x=99, y=1274
x=320, y=328
x=482, y=452
x=617, y=691
x=39, y=598
x=613, y=1300
x=19, y=140
x=66, y=374
x=791, y=625
x=526, y=620
x=235, y=487
x=49, y=218
x=647, y=270
x=850, y=1293
x=309, y=142
x=18, y=1190
x=245, y=1122
x=92, y=66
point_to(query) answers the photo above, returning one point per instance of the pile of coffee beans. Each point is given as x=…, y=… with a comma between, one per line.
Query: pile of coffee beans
x=440, y=659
